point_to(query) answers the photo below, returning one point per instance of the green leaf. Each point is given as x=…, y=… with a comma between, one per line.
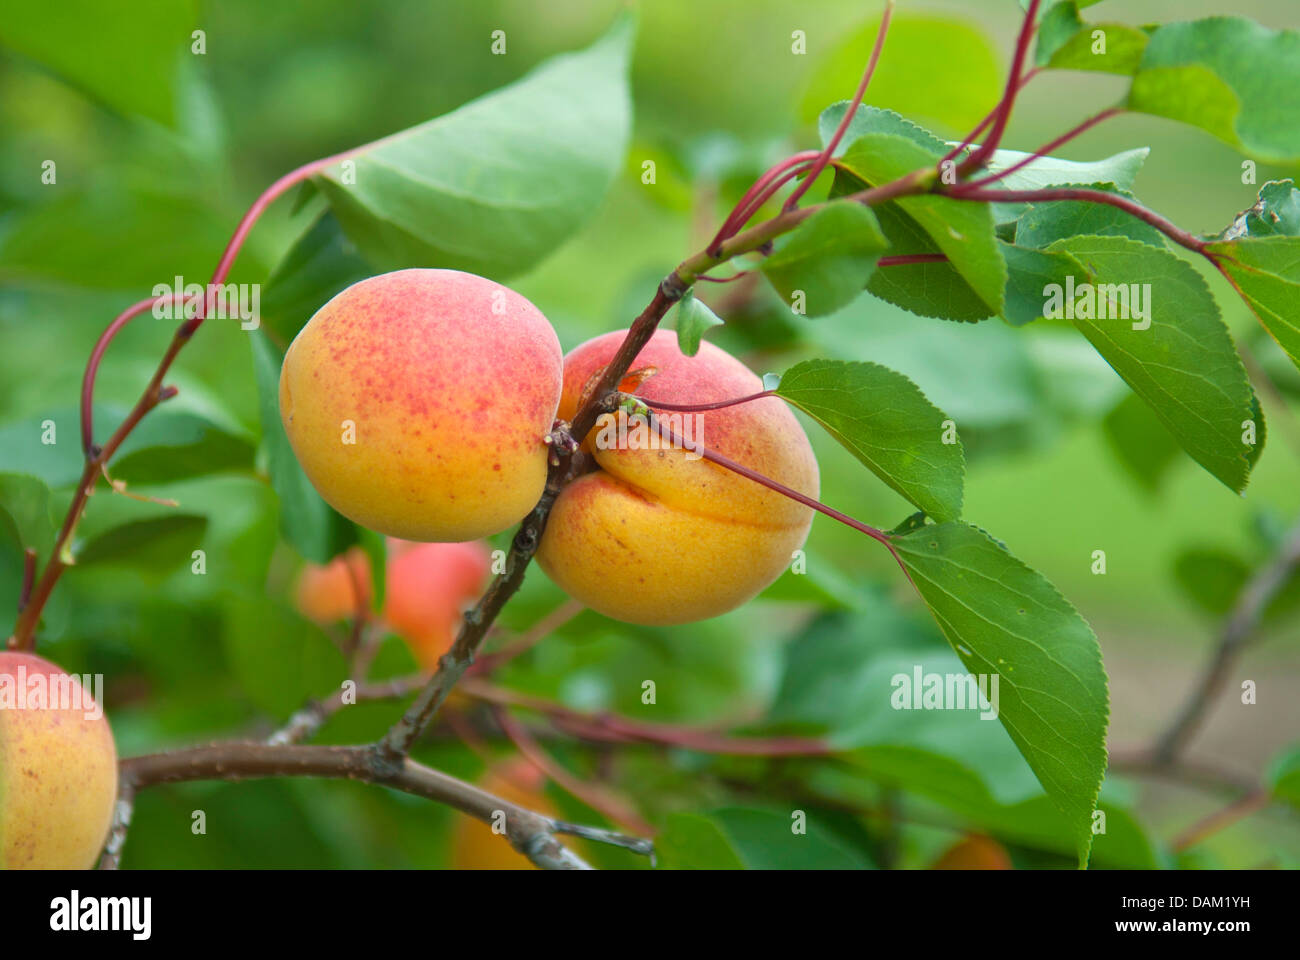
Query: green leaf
x=1141, y=443
x=1065, y=42
x=310, y=524
x=742, y=838
x=933, y=289
x=963, y=231
x=127, y=59
x=1283, y=775
x=692, y=842
x=157, y=544
x=1211, y=578
x=1266, y=272
x=827, y=259
x=1029, y=271
x=1120, y=170
x=934, y=66
x=1231, y=77
x=321, y=263
x=1183, y=362
x=867, y=120
x=883, y=419
x=691, y=318
x=25, y=513
x=1045, y=223
x=375, y=546
x=168, y=445
x=280, y=659
x=498, y=184
x=1033, y=822
x=1005, y=619
x=180, y=444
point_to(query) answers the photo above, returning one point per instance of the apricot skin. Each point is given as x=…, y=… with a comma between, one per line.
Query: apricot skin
x=656, y=537
x=58, y=779
x=328, y=593
x=450, y=383
x=428, y=587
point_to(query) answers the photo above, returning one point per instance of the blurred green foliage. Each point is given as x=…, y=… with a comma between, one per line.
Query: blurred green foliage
x=159, y=150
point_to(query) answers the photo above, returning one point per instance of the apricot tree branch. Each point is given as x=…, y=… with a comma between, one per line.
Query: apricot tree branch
x=1240, y=808
x=1168, y=228
x=1045, y=148
x=531, y=833
x=1002, y=113
x=23, y=637
x=608, y=727
x=1240, y=626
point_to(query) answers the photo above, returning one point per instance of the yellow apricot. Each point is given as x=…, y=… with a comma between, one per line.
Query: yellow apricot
x=58, y=768
x=417, y=403
x=661, y=536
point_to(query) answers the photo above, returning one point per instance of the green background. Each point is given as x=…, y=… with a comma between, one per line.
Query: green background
x=157, y=162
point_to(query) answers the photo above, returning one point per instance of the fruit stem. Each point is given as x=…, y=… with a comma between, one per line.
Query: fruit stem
x=700, y=407
x=1002, y=113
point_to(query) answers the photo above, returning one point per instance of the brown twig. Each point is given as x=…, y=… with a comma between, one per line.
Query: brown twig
x=1240, y=626
x=532, y=834
x=1252, y=802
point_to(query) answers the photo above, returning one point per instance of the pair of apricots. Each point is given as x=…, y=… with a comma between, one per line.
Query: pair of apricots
x=417, y=403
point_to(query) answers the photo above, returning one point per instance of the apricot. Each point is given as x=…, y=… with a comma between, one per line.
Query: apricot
x=58, y=768
x=429, y=586
x=974, y=852
x=329, y=593
x=661, y=536
x=417, y=403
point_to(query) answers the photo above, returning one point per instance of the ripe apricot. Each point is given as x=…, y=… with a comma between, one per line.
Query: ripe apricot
x=58, y=768
x=417, y=403
x=329, y=593
x=662, y=536
x=429, y=586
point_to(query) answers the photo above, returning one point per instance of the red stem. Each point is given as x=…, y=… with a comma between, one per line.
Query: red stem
x=980, y=127
x=700, y=407
x=820, y=163
x=713, y=457
x=92, y=368
x=903, y=259
x=608, y=727
x=732, y=224
x=1173, y=232
x=1045, y=148
x=1003, y=112
x=25, y=627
